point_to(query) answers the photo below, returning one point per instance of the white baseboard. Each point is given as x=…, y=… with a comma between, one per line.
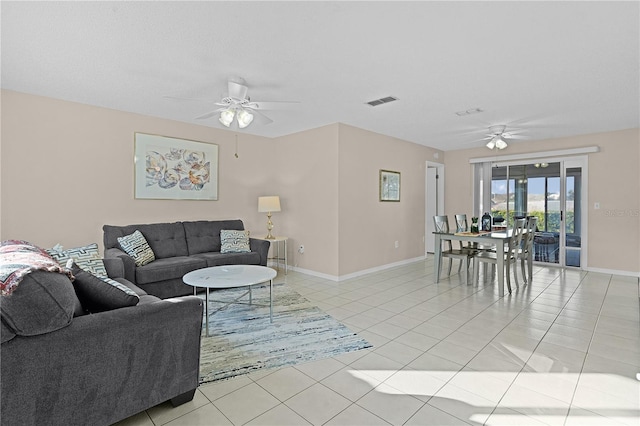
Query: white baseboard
x=613, y=272
x=421, y=258
x=356, y=274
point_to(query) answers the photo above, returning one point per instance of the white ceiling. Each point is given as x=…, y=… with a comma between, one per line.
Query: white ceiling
x=545, y=69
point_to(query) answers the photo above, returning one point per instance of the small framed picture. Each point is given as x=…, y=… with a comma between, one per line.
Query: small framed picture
x=389, y=185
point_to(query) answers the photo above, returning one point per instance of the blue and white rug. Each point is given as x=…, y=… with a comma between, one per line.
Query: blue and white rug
x=242, y=339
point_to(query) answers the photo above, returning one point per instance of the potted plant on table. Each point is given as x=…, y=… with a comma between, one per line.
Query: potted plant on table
x=474, y=224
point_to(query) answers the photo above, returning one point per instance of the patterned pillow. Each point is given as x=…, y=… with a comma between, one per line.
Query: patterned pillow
x=136, y=246
x=86, y=257
x=234, y=241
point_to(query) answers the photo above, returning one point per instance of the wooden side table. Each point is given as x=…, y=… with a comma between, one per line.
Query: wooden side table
x=276, y=243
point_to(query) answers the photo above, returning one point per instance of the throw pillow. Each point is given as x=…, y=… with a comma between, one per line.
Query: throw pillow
x=86, y=257
x=43, y=302
x=136, y=246
x=232, y=241
x=98, y=295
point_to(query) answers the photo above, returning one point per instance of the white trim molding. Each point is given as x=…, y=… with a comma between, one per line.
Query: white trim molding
x=356, y=274
x=613, y=272
x=541, y=154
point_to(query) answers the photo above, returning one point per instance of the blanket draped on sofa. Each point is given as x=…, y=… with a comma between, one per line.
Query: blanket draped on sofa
x=19, y=258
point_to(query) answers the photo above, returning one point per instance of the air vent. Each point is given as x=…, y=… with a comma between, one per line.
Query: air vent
x=469, y=112
x=381, y=101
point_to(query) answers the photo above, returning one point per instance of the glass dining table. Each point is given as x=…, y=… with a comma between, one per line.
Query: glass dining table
x=499, y=239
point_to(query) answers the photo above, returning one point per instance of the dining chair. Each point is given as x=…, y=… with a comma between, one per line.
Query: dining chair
x=464, y=255
x=510, y=256
x=463, y=226
x=525, y=251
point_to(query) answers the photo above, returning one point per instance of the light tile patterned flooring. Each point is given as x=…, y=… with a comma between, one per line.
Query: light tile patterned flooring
x=562, y=351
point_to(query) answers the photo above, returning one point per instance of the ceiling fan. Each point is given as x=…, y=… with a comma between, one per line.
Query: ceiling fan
x=237, y=104
x=497, y=137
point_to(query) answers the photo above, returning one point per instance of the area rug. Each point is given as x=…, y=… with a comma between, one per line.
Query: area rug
x=242, y=339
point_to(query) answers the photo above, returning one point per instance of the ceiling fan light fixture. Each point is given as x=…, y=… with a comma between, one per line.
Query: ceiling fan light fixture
x=226, y=117
x=244, y=118
x=491, y=144
x=500, y=143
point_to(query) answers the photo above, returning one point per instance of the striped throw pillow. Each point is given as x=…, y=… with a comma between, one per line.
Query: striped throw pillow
x=136, y=246
x=232, y=241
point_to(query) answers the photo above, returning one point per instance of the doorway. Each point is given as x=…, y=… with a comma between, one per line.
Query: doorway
x=553, y=190
x=434, y=201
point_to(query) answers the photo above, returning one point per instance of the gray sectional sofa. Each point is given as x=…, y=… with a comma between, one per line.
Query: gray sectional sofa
x=63, y=366
x=179, y=247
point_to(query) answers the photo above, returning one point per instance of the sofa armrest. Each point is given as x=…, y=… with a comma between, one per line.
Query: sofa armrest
x=114, y=267
x=261, y=247
x=128, y=262
x=103, y=367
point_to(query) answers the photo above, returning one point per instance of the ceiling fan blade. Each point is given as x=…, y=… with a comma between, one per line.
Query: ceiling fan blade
x=178, y=98
x=260, y=117
x=272, y=105
x=513, y=136
x=209, y=114
x=237, y=91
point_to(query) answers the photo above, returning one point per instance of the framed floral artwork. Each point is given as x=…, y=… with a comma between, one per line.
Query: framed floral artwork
x=175, y=169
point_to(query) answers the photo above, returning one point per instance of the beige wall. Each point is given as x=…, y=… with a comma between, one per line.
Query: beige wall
x=614, y=182
x=67, y=169
x=307, y=182
x=369, y=228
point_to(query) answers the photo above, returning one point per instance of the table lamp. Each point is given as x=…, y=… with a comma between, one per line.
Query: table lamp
x=269, y=204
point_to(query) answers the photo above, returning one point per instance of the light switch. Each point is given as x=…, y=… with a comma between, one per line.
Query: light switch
x=596, y=206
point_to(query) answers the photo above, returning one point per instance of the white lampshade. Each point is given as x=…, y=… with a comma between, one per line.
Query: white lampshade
x=500, y=143
x=269, y=204
x=244, y=118
x=226, y=117
x=496, y=142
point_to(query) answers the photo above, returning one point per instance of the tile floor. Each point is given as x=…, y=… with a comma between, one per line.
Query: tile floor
x=562, y=351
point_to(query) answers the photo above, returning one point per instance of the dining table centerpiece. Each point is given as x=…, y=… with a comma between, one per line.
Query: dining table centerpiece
x=474, y=224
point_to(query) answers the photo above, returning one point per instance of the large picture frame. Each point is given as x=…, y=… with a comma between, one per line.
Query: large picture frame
x=389, y=185
x=175, y=169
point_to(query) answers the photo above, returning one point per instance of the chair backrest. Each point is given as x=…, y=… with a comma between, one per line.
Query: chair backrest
x=461, y=223
x=441, y=223
x=532, y=224
x=516, y=237
x=462, y=226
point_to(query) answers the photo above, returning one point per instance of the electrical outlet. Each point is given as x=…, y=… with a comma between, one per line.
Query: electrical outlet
x=397, y=244
x=301, y=249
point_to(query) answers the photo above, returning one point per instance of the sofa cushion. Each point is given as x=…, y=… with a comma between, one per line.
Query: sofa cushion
x=167, y=269
x=6, y=333
x=97, y=295
x=219, y=259
x=232, y=241
x=165, y=239
x=19, y=258
x=204, y=236
x=43, y=302
x=136, y=246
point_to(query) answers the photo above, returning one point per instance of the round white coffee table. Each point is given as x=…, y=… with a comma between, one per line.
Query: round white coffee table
x=231, y=276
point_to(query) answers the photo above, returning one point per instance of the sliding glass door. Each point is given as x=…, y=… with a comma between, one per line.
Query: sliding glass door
x=551, y=191
x=573, y=217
